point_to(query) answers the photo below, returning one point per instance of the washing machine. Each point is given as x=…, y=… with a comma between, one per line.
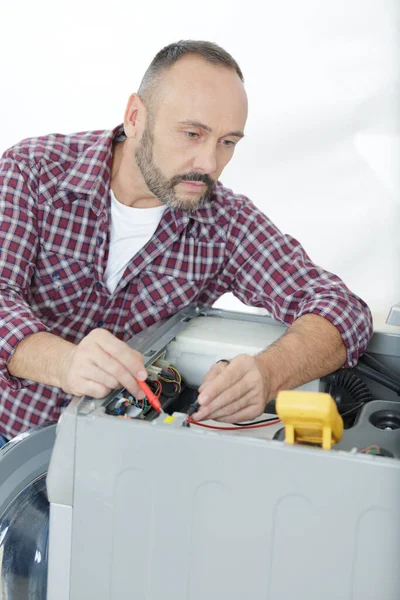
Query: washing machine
x=116, y=501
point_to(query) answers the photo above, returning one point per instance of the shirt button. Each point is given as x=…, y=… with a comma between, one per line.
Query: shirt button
x=56, y=276
x=99, y=240
x=100, y=324
x=99, y=285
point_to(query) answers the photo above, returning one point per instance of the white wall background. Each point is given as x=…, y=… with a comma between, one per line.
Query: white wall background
x=322, y=149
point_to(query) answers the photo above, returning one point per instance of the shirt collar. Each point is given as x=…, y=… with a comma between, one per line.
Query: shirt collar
x=93, y=165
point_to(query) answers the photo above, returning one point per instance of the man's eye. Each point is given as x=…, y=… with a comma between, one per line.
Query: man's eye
x=228, y=143
x=192, y=134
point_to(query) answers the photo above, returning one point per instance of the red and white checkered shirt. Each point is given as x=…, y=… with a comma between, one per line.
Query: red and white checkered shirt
x=54, y=228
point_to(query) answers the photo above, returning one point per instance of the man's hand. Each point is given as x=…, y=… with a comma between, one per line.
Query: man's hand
x=232, y=392
x=100, y=363
x=310, y=348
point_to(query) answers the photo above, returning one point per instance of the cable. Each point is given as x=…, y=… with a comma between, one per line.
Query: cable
x=193, y=408
x=156, y=386
x=171, y=375
x=378, y=377
x=196, y=406
x=175, y=373
x=256, y=422
x=373, y=363
x=352, y=409
x=272, y=422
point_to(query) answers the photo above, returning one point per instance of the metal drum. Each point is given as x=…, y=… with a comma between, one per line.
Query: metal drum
x=24, y=510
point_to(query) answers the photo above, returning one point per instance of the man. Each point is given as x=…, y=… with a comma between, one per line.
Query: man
x=104, y=233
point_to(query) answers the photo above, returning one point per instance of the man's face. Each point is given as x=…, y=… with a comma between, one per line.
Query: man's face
x=200, y=117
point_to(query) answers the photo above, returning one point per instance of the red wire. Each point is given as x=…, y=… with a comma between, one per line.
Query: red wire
x=255, y=426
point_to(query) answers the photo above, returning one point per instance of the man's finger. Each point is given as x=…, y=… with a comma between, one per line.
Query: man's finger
x=129, y=358
x=227, y=397
x=94, y=373
x=108, y=364
x=104, y=369
x=228, y=377
x=215, y=370
x=245, y=400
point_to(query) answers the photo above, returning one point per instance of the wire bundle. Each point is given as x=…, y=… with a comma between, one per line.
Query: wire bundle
x=155, y=386
x=171, y=376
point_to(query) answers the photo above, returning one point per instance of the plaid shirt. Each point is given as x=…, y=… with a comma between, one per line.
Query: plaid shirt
x=54, y=228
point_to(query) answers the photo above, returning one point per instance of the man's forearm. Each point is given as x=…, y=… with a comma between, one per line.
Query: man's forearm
x=40, y=357
x=99, y=363
x=312, y=347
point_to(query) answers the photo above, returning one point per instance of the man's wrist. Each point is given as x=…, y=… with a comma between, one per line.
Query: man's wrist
x=265, y=365
x=310, y=348
x=41, y=357
x=63, y=367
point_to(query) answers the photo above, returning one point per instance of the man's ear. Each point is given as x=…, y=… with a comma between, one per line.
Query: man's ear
x=135, y=117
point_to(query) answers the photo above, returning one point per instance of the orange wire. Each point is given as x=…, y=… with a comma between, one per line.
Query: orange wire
x=159, y=388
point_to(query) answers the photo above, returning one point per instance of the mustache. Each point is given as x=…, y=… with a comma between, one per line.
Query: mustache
x=209, y=181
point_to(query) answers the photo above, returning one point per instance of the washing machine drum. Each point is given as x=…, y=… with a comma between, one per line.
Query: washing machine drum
x=24, y=510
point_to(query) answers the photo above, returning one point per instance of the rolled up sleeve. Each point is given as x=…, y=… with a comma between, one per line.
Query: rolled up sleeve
x=272, y=271
x=18, y=250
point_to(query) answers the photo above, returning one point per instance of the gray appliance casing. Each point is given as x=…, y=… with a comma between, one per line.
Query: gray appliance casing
x=152, y=510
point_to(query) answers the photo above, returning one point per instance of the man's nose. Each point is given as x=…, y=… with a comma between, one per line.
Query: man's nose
x=206, y=159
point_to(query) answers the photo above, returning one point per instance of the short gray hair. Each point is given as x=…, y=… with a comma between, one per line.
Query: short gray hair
x=170, y=54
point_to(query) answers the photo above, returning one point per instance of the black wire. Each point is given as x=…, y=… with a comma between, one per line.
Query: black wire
x=378, y=377
x=256, y=422
x=373, y=363
x=352, y=409
x=195, y=407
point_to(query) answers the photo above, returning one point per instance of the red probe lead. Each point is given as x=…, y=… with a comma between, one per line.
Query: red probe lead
x=151, y=397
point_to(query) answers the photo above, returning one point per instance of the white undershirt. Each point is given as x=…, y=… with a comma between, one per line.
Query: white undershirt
x=131, y=229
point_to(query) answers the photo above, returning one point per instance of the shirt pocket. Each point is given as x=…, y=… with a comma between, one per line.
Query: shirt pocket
x=59, y=284
x=163, y=295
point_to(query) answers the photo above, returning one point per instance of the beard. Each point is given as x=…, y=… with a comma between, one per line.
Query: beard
x=162, y=187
